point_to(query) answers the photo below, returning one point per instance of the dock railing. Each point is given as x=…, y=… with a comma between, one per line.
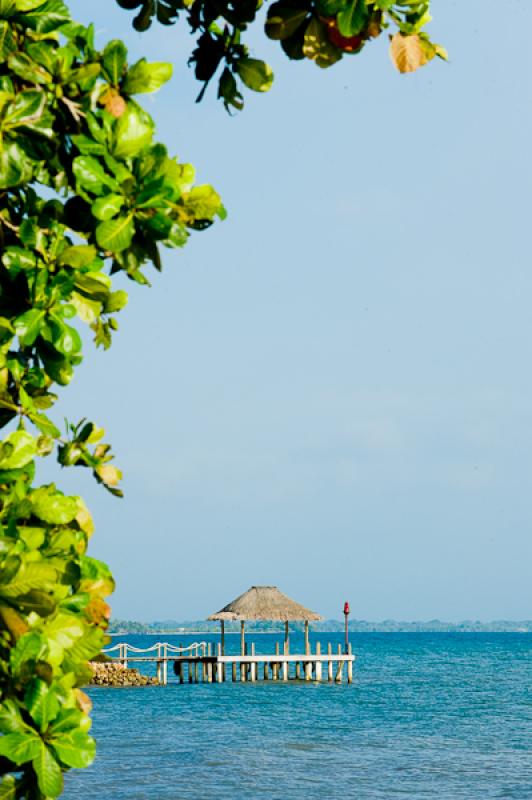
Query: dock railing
x=201, y=663
x=160, y=653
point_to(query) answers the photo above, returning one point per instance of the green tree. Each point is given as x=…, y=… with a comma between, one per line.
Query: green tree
x=320, y=30
x=85, y=193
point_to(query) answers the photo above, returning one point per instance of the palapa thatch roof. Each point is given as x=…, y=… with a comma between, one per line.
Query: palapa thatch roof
x=265, y=603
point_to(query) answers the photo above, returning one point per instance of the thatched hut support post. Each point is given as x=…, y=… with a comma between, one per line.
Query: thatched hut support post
x=307, y=646
x=286, y=639
x=330, y=663
x=222, y=636
x=242, y=638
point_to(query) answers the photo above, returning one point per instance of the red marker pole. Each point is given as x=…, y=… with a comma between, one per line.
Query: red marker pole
x=346, y=614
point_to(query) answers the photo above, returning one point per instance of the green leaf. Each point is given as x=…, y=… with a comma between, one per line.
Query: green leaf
x=7, y=40
x=75, y=749
x=317, y=46
x=28, y=69
x=256, y=75
x=20, y=747
x=27, y=108
x=28, y=326
x=91, y=175
x=88, y=146
x=116, y=301
x=144, y=77
x=353, y=20
x=116, y=234
x=133, y=132
x=108, y=206
x=115, y=60
x=45, y=425
x=15, y=166
x=42, y=703
x=52, y=507
x=29, y=648
x=10, y=718
x=33, y=575
x=45, y=18
x=79, y=255
x=17, y=450
x=283, y=21
x=9, y=788
x=49, y=776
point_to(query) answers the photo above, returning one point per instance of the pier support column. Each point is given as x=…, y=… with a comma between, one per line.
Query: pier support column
x=349, y=665
x=275, y=665
x=318, y=663
x=242, y=639
x=219, y=666
x=340, y=670
x=286, y=639
x=307, y=649
x=253, y=669
x=285, y=670
x=233, y=671
x=329, y=664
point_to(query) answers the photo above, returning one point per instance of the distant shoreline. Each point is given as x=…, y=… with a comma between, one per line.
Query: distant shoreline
x=129, y=628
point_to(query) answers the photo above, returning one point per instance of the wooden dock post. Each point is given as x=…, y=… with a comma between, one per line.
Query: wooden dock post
x=275, y=666
x=330, y=663
x=219, y=666
x=350, y=664
x=285, y=670
x=253, y=669
x=209, y=664
x=308, y=664
x=318, y=663
x=340, y=669
x=233, y=671
x=266, y=674
x=165, y=665
x=242, y=639
x=298, y=670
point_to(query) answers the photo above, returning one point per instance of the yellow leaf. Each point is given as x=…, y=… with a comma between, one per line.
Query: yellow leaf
x=84, y=518
x=408, y=53
x=84, y=701
x=109, y=474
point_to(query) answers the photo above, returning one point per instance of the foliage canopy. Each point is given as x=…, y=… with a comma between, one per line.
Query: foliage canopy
x=320, y=30
x=85, y=193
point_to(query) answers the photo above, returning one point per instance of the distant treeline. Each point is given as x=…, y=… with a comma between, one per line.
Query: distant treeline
x=327, y=626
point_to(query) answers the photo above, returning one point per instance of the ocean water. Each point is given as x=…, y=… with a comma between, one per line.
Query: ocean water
x=445, y=716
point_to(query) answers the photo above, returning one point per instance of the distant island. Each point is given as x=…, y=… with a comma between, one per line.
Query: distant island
x=119, y=626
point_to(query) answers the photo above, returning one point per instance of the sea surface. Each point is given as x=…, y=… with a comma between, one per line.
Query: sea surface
x=445, y=716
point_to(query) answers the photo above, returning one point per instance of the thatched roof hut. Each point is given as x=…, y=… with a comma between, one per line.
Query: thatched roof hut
x=265, y=603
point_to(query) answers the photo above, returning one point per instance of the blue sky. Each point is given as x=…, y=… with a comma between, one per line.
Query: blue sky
x=331, y=391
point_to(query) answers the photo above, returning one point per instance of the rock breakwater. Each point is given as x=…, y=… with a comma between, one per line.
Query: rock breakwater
x=113, y=674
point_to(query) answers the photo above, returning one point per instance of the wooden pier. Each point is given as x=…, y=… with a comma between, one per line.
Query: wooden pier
x=202, y=663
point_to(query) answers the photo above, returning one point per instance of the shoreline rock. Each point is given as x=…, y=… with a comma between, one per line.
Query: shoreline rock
x=114, y=674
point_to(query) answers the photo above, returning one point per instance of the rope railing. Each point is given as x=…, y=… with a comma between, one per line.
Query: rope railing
x=163, y=649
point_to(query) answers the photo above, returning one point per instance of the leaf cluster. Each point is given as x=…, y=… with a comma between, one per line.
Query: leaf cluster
x=320, y=30
x=87, y=196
